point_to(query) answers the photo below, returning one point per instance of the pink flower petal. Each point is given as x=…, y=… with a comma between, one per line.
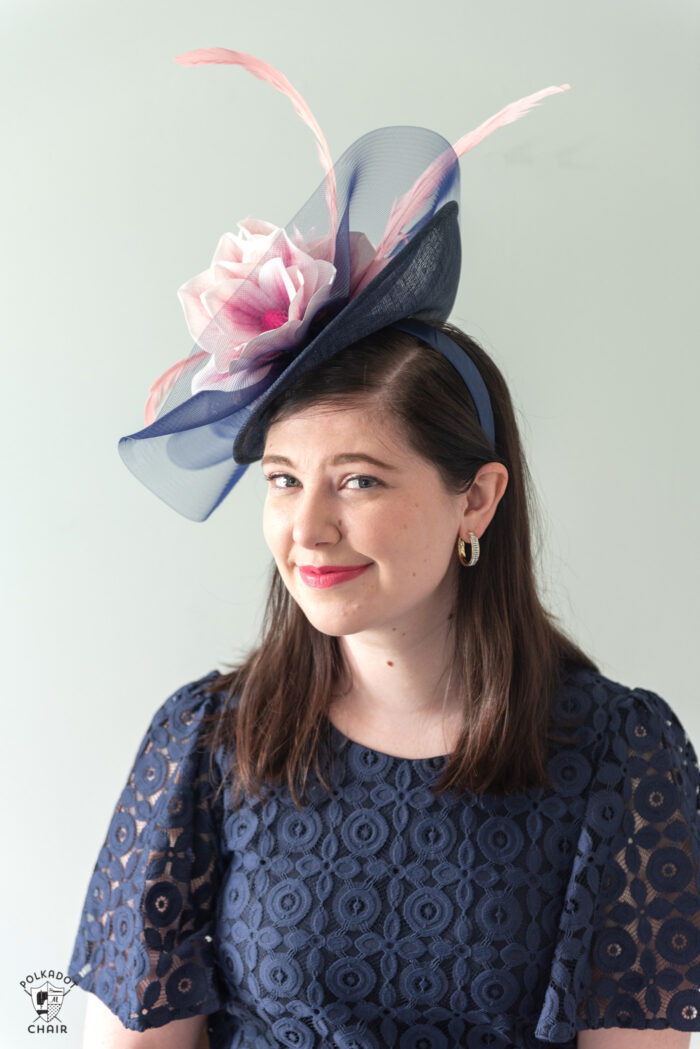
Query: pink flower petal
x=238, y=271
x=258, y=298
x=362, y=254
x=190, y=296
x=257, y=226
x=237, y=306
x=313, y=306
x=209, y=378
x=275, y=281
x=228, y=249
x=269, y=341
x=313, y=281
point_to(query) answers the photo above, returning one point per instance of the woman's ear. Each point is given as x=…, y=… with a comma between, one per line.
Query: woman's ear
x=484, y=494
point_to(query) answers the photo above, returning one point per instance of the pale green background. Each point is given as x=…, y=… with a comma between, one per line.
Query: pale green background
x=120, y=171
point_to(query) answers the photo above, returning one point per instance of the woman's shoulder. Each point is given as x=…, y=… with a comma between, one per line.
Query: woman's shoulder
x=185, y=708
x=584, y=701
x=610, y=713
x=587, y=683
x=175, y=739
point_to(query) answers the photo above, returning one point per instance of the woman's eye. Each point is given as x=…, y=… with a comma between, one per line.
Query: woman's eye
x=272, y=477
x=359, y=477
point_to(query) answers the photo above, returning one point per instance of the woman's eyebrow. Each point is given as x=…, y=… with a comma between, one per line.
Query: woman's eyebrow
x=344, y=457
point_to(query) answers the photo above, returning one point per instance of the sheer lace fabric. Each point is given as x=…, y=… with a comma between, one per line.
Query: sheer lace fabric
x=380, y=915
x=645, y=961
x=145, y=940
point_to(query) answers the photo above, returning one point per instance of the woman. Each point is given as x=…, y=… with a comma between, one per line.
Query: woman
x=417, y=814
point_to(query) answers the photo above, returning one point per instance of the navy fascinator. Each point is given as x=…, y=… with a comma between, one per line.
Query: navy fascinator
x=377, y=244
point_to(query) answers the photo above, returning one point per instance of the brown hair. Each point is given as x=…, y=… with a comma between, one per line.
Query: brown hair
x=509, y=654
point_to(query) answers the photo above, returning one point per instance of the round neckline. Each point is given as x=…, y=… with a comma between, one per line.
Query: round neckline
x=346, y=741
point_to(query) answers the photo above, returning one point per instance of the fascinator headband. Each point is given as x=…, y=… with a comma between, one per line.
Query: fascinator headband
x=376, y=245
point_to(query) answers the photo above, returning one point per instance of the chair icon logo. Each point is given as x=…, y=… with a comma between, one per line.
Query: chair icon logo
x=47, y=990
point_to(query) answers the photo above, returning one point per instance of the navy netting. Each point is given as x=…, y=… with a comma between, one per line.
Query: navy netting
x=185, y=456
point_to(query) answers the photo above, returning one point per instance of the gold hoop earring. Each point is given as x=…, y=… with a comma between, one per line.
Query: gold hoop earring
x=462, y=551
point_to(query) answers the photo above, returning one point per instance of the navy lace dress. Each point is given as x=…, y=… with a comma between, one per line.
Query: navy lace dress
x=381, y=916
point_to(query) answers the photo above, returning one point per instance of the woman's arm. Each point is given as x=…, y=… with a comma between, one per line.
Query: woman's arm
x=619, y=1038
x=104, y=1030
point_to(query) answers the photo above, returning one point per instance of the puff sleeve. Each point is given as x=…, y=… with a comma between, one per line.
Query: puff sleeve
x=627, y=952
x=644, y=962
x=144, y=943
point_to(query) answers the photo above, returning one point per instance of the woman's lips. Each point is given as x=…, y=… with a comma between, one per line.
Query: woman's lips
x=318, y=580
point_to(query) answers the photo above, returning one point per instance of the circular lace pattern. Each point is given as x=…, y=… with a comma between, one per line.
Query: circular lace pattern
x=380, y=915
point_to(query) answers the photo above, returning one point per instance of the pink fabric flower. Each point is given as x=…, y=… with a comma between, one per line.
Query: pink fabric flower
x=362, y=254
x=259, y=295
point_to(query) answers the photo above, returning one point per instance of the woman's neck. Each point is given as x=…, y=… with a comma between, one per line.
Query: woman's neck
x=428, y=737
x=402, y=699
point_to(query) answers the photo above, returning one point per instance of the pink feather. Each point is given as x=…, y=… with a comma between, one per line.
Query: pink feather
x=163, y=385
x=513, y=111
x=268, y=73
x=408, y=206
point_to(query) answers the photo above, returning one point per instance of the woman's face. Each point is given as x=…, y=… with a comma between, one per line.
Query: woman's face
x=325, y=506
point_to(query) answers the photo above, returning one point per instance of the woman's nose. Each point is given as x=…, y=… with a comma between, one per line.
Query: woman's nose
x=315, y=518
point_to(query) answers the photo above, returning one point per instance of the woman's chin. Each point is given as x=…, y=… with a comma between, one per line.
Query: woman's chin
x=335, y=624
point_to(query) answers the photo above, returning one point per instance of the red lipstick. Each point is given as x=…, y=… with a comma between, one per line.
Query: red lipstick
x=319, y=578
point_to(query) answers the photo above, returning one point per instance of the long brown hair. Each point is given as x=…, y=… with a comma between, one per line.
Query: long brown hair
x=509, y=653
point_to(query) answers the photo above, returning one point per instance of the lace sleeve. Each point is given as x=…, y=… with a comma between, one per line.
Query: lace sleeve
x=144, y=944
x=644, y=963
